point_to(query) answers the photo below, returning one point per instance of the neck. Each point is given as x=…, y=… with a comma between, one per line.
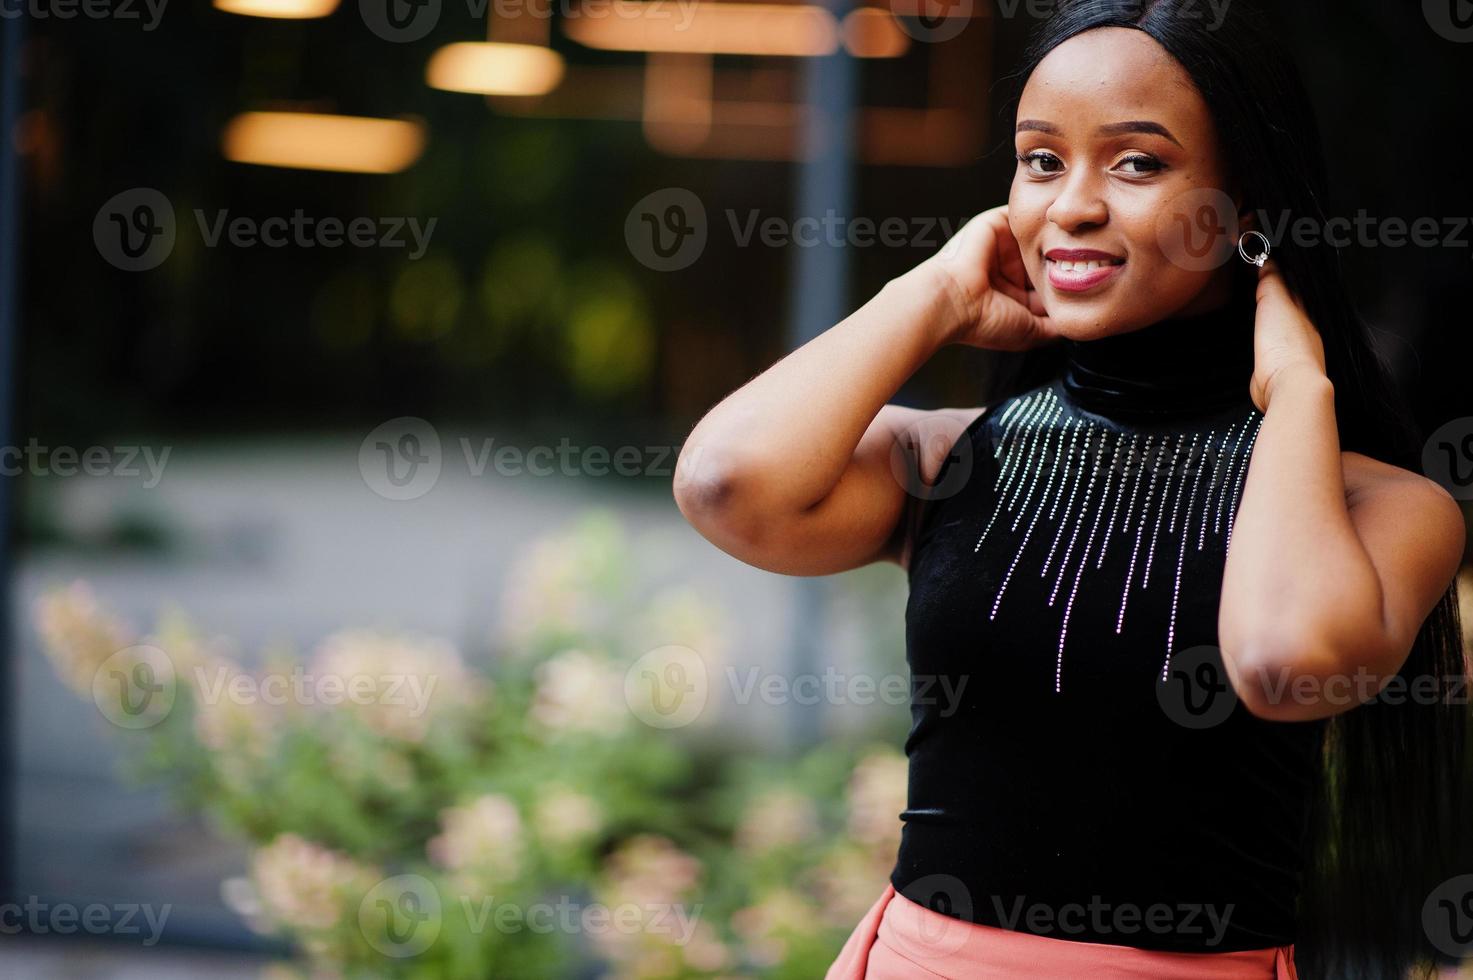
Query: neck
x=1181, y=364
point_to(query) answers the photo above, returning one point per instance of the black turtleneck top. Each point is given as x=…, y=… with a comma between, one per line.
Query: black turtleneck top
x=1079, y=765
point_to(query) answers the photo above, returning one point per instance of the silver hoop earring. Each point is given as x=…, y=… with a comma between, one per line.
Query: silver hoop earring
x=1261, y=257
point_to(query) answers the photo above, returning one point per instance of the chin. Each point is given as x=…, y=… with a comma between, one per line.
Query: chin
x=1074, y=321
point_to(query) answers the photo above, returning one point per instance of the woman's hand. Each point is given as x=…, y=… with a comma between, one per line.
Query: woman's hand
x=1284, y=340
x=982, y=269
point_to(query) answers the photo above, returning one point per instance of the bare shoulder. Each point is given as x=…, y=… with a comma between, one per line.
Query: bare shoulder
x=930, y=434
x=1368, y=474
x=1401, y=493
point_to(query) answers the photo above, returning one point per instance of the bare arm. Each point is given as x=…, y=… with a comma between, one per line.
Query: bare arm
x=794, y=471
x=1336, y=559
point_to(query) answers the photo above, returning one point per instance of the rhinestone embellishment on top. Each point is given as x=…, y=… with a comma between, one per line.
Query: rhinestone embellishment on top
x=1067, y=476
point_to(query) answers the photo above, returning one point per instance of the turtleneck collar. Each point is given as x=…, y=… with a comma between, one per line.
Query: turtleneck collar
x=1179, y=365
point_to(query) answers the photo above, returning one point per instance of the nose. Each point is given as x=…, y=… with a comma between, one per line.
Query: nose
x=1079, y=204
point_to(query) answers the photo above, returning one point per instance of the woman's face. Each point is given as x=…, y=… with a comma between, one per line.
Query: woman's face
x=1119, y=184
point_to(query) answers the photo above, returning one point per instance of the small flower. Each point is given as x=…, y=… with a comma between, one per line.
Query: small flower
x=298, y=885
x=224, y=724
x=649, y=873
x=372, y=767
x=579, y=692
x=482, y=838
x=877, y=794
x=79, y=636
x=704, y=951
x=648, y=869
x=681, y=615
x=766, y=926
x=846, y=881
x=563, y=817
x=566, y=584
x=397, y=683
x=777, y=818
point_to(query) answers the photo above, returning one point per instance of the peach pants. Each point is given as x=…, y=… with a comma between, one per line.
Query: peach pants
x=900, y=940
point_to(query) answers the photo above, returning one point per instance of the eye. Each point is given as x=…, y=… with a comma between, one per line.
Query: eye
x=1041, y=162
x=1141, y=163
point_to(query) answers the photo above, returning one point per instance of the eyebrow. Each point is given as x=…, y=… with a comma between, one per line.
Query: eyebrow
x=1109, y=129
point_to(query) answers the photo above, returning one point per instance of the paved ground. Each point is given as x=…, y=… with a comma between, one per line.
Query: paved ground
x=40, y=959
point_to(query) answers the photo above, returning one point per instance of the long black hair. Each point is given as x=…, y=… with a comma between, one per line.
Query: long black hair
x=1391, y=818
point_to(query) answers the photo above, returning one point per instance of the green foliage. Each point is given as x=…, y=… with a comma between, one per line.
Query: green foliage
x=496, y=819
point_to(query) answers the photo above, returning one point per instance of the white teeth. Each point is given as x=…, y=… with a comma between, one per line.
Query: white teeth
x=1066, y=265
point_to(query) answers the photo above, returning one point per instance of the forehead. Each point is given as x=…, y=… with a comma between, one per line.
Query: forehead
x=1116, y=72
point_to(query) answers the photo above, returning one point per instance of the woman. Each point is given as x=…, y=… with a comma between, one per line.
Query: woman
x=1172, y=757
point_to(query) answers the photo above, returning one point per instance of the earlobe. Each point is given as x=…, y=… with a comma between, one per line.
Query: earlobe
x=1246, y=220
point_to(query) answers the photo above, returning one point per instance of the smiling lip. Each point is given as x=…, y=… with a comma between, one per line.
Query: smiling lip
x=1086, y=268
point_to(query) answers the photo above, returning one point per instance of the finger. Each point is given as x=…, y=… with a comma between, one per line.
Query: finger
x=1028, y=298
x=1009, y=256
x=1271, y=283
x=1013, y=292
x=1272, y=287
